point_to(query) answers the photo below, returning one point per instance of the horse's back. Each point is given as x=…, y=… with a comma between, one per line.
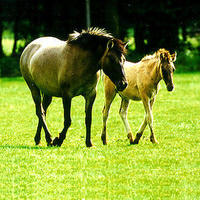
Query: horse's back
x=35, y=45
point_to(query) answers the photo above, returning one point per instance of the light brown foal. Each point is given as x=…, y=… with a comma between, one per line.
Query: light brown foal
x=143, y=84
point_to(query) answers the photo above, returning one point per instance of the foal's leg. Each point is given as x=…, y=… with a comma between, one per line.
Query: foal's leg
x=144, y=124
x=67, y=121
x=89, y=100
x=45, y=103
x=149, y=117
x=40, y=112
x=140, y=131
x=123, y=114
x=152, y=136
x=109, y=97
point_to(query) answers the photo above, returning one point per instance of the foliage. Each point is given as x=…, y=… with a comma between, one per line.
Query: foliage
x=149, y=25
x=188, y=60
x=169, y=170
x=9, y=67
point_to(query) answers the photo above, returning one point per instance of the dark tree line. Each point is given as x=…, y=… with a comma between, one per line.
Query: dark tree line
x=155, y=24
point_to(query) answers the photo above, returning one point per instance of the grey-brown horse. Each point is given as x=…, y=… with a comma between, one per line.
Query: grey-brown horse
x=143, y=84
x=66, y=69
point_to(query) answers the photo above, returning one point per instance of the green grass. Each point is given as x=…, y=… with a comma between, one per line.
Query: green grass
x=169, y=170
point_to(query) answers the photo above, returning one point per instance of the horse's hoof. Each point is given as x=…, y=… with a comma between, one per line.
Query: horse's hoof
x=56, y=142
x=49, y=144
x=103, y=138
x=105, y=143
x=89, y=144
x=37, y=141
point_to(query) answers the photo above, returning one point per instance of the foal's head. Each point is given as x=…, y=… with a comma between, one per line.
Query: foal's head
x=167, y=67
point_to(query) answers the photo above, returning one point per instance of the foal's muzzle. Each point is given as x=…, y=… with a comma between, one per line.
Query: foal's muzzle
x=121, y=85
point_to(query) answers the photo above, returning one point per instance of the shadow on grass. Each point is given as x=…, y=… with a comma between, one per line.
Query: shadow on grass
x=25, y=147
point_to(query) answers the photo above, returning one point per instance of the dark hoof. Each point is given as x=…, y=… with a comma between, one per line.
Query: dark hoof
x=49, y=144
x=89, y=144
x=37, y=141
x=103, y=138
x=134, y=142
x=57, y=142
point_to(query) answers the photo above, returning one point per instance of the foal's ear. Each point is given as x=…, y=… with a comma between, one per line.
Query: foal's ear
x=173, y=57
x=164, y=56
x=110, y=44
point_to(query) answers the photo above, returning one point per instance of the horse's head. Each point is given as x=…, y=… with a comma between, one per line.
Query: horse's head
x=167, y=68
x=112, y=63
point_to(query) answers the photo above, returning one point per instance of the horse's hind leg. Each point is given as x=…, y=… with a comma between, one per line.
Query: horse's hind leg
x=40, y=113
x=123, y=114
x=45, y=104
x=67, y=121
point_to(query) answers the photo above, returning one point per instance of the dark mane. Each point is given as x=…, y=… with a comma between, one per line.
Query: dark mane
x=93, y=37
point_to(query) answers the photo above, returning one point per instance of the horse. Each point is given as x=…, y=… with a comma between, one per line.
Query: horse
x=143, y=85
x=65, y=69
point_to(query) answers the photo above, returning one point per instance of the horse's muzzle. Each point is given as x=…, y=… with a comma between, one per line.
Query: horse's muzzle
x=121, y=85
x=170, y=88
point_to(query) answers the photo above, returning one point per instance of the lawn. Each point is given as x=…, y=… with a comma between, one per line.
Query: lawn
x=169, y=170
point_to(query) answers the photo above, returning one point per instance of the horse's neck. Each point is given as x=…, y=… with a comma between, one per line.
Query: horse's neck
x=84, y=59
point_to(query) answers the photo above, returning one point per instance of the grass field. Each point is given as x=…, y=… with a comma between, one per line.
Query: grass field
x=169, y=170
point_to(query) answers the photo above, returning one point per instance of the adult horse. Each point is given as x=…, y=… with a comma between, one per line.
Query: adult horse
x=66, y=69
x=143, y=84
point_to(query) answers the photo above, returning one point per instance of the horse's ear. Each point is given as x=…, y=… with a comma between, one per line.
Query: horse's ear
x=126, y=44
x=110, y=44
x=173, y=57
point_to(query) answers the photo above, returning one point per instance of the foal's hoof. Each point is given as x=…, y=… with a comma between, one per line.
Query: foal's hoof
x=56, y=142
x=134, y=142
x=153, y=140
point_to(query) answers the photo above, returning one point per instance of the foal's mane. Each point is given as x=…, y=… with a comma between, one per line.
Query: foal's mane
x=92, y=37
x=165, y=54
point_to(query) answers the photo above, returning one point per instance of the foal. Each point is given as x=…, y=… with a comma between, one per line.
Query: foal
x=143, y=84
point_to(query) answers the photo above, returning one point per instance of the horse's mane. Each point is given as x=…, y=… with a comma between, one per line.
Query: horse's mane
x=165, y=53
x=92, y=36
x=91, y=31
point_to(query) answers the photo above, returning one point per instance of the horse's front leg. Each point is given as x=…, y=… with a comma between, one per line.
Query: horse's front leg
x=89, y=100
x=67, y=121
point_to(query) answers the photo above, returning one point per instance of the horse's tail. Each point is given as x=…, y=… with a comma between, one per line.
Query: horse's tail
x=102, y=75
